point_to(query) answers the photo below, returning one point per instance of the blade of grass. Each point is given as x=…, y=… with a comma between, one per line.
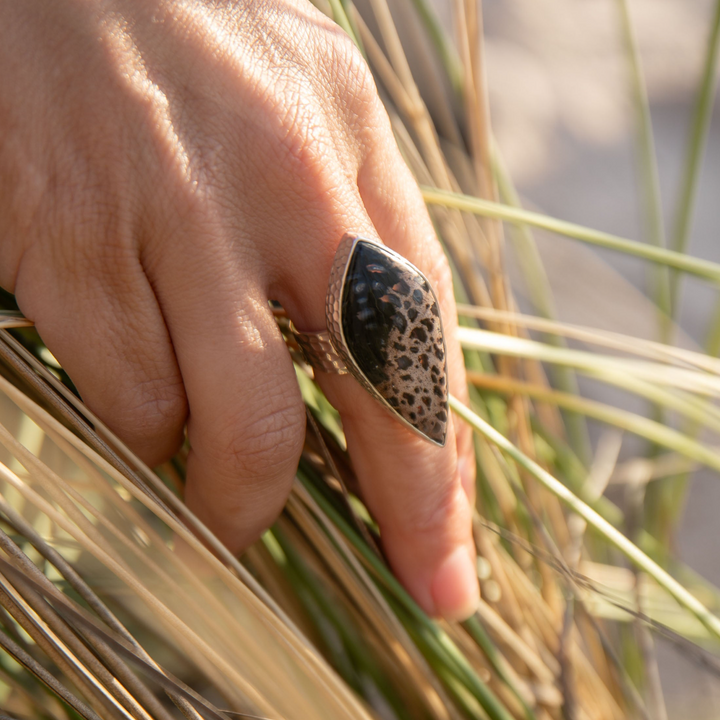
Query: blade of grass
x=432, y=634
x=668, y=499
x=696, y=145
x=469, y=32
x=480, y=636
x=71, y=668
x=541, y=296
x=352, y=576
x=93, y=601
x=647, y=168
x=26, y=660
x=143, y=497
x=169, y=618
x=694, y=266
x=445, y=49
x=107, y=669
x=234, y=575
x=682, y=378
x=625, y=343
x=119, y=644
x=26, y=687
x=636, y=424
x=631, y=551
x=341, y=18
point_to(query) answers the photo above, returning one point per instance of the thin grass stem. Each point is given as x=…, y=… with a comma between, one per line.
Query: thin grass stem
x=669, y=498
x=445, y=50
x=442, y=645
x=631, y=551
x=480, y=636
x=538, y=286
x=647, y=168
x=636, y=424
x=626, y=344
x=696, y=144
x=26, y=660
x=700, y=383
x=693, y=266
x=341, y=18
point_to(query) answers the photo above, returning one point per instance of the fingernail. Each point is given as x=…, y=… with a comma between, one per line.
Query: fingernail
x=454, y=588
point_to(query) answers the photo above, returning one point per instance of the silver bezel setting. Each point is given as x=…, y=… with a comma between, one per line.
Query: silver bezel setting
x=333, y=318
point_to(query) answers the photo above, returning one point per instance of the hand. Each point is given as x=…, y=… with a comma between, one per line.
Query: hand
x=165, y=169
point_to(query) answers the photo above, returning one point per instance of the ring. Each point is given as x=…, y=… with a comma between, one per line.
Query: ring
x=384, y=328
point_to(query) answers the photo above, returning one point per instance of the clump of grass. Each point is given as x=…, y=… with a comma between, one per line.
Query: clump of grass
x=101, y=615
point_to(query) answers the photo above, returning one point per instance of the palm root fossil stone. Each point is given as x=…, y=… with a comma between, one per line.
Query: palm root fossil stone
x=392, y=328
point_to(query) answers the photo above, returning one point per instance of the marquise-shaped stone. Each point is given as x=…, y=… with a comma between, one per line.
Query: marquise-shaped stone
x=392, y=328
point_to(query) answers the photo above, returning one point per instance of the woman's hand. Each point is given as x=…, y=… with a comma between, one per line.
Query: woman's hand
x=165, y=169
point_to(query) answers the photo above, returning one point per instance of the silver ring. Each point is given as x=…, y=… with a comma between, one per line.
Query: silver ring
x=384, y=328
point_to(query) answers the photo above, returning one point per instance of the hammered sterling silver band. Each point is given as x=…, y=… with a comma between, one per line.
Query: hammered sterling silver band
x=317, y=349
x=384, y=328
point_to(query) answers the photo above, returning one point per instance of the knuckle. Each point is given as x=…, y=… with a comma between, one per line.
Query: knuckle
x=314, y=156
x=268, y=446
x=343, y=87
x=349, y=68
x=304, y=134
x=91, y=237
x=155, y=407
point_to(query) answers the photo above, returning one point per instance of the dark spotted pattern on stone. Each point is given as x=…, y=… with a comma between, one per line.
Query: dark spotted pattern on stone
x=390, y=321
x=403, y=362
x=419, y=334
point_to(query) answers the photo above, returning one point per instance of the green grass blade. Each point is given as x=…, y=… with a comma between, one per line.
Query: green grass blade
x=667, y=501
x=541, y=296
x=701, y=383
x=666, y=354
x=694, y=266
x=432, y=634
x=445, y=49
x=647, y=168
x=696, y=145
x=639, y=425
x=669, y=498
x=477, y=632
x=631, y=551
x=341, y=17
x=712, y=342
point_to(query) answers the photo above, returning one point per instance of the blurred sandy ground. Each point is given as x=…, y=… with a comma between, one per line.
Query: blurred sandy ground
x=562, y=115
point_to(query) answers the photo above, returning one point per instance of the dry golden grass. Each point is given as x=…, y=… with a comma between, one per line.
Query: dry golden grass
x=115, y=602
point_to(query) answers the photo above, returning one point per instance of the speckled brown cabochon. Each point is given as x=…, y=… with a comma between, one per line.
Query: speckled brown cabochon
x=391, y=326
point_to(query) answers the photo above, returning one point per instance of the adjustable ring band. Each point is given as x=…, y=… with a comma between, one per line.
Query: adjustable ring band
x=384, y=328
x=317, y=349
